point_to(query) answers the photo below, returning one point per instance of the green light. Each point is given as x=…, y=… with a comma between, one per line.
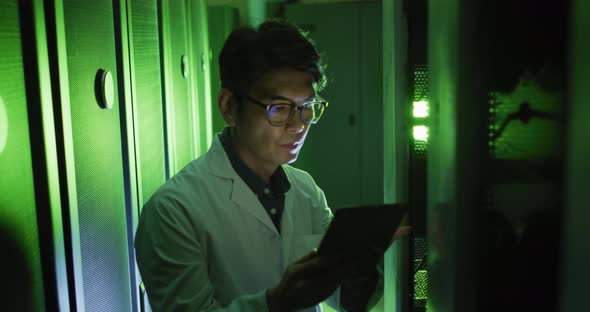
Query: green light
x=421, y=285
x=421, y=109
x=421, y=133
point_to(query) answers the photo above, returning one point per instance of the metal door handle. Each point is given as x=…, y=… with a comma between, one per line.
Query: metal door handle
x=104, y=88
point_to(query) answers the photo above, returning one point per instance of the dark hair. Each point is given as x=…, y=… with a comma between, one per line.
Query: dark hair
x=248, y=54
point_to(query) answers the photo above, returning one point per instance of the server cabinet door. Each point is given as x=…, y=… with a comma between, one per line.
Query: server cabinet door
x=93, y=149
x=18, y=221
x=178, y=103
x=338, y=36
x=454, y=143
x=222, y=20
x=575, y=252
x=147, y=96
x=201, y=78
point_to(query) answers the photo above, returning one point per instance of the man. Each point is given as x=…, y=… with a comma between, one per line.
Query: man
x=235, y=230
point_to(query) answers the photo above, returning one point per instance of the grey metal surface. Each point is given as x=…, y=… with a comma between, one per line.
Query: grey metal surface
x=178, y=101
x=455, y=152
x=147, y=95
x=576, y=254
x=18, y=219
x=99, y=228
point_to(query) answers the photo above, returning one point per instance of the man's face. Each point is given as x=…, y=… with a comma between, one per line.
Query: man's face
x=265, y=145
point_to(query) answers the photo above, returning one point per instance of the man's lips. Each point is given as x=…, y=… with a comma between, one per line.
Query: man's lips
x=291, y=145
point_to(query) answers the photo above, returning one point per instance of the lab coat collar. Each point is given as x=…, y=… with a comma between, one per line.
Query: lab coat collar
x=279, y=183
x=241, y=194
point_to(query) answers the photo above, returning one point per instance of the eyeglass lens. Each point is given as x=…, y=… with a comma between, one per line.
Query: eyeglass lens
x=310, y=113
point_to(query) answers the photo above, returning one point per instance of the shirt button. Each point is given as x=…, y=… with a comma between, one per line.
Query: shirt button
x=266, y=191
x=273, y=211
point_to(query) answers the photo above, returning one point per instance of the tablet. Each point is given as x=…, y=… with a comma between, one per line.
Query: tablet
x=363, y=231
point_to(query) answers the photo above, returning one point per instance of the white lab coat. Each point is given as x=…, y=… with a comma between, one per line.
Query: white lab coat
x=205, y=242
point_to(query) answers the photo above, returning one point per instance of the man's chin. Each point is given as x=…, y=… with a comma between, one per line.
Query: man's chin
x=290, y=159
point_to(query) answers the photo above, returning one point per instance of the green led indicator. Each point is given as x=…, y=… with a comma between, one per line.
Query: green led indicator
x=421, y=285
x=421, y=109
x=421, y=133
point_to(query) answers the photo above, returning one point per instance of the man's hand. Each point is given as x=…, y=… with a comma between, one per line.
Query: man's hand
x=307, y=282
x=360, y=270
x=314, y=278
x=400, y=232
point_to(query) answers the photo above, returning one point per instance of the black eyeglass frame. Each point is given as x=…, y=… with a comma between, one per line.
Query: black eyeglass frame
x=268, y=107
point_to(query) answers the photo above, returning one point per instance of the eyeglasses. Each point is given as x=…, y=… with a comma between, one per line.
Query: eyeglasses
x=280, y=113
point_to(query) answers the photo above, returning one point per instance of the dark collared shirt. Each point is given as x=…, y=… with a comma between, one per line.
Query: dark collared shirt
x=272, y=195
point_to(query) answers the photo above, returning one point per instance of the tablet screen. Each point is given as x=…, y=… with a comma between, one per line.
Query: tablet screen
x=364, y=231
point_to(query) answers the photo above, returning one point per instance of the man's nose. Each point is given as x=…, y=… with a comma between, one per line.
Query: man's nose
x=296, y=125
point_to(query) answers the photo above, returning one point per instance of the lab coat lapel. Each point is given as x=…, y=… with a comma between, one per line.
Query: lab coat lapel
x=286, y=220
x=243, y=196
x=287, y=228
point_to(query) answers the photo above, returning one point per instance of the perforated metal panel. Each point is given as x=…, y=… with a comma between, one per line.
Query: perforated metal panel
x=98, y=218
x=418, y=167
x=222, y=20
x=179, y=105
x=524, y=124
x=420, y=89
x=17, y=193
x=420, y=82
x=147, y=90
x=199, y=40
x=420, y=274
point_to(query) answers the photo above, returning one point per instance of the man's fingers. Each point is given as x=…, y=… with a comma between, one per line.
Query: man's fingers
x=322, y=268
x=401, y=231
x=312, y=291
x=317, y=266
x=308, y=257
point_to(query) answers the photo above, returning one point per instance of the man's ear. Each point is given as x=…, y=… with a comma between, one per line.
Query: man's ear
x=225, y=100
